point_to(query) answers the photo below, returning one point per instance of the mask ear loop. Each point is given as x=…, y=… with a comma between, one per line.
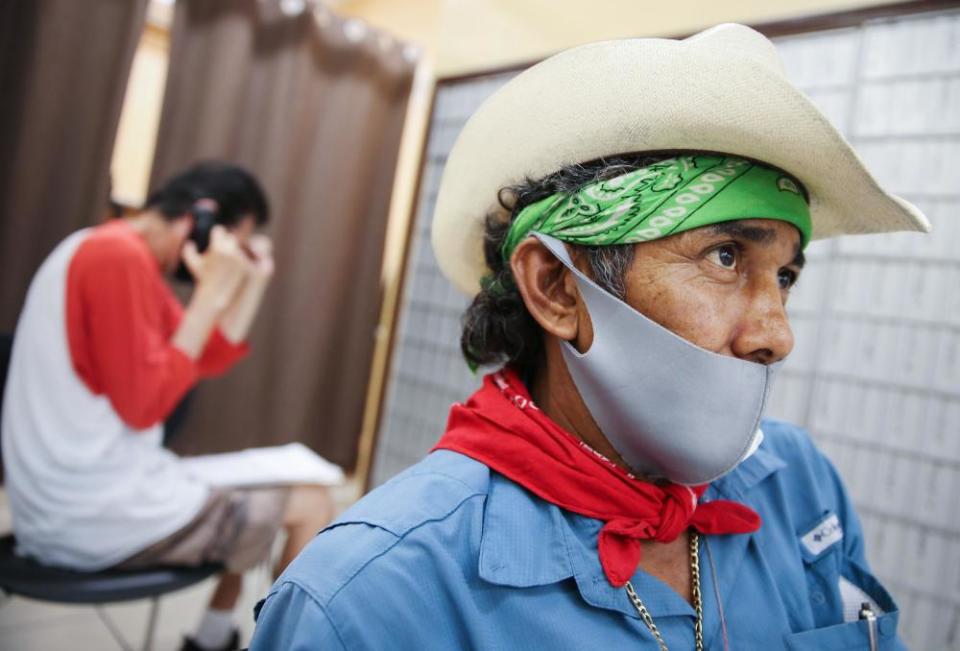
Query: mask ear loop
x=559, y=250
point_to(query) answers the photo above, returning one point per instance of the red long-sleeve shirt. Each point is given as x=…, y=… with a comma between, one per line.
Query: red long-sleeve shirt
x=121, y=316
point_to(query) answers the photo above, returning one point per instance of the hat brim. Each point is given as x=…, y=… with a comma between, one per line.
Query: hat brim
x=720, y=91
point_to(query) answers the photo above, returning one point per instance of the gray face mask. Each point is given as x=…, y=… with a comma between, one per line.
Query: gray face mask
x=670, y=408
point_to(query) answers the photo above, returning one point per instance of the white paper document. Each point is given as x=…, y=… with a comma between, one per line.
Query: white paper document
x=280, y=465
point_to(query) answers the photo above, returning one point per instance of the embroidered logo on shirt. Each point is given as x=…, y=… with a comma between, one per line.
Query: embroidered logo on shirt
x=827, y=532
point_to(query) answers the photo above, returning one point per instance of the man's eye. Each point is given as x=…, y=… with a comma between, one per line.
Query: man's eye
x=724, y=256
x=787, y=278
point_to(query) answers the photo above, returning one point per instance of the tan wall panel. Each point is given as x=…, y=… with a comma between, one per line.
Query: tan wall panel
x=136, y=135
x=465, y=36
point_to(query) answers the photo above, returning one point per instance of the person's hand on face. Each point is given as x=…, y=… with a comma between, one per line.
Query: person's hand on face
x=258, y=247
x=220, y=270
x=261, y=248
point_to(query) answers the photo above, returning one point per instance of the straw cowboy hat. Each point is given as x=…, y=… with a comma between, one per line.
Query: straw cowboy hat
x=722, y=90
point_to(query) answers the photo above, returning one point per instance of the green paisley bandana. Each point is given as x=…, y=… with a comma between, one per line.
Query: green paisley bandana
x=668, y=197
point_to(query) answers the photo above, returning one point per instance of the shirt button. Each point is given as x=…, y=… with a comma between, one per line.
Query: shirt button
x=818, y=598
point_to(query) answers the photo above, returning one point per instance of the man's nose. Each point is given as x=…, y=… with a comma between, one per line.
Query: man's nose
x=764, y=335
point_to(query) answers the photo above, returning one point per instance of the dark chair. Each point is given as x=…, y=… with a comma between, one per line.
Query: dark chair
x=27, y=578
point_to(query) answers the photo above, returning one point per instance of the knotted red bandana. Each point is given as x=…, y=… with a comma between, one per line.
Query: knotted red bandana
x=502, y=428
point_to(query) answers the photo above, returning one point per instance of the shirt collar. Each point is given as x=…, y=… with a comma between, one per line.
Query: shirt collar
x=521, y=544
x=760, y=465
x=527, y=542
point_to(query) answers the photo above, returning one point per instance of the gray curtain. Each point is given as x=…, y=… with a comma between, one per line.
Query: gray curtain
x=63, y=70
x=317, y=116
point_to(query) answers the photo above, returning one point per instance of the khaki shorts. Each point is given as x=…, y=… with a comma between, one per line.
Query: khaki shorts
x=235, y=527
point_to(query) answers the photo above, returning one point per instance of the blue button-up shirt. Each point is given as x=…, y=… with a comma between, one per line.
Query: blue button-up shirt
x=451, y=555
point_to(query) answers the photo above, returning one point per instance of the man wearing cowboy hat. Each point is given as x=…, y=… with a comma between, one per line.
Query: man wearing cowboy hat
x=611, y=485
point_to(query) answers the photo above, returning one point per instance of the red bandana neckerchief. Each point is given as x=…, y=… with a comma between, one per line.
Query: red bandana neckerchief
x=502, y=428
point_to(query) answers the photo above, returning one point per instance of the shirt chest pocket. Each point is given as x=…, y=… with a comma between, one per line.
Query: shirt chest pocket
x=837, y=587
x=847, y=636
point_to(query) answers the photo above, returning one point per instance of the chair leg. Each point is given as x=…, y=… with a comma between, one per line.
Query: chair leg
x=151, y=624
x=114, y=631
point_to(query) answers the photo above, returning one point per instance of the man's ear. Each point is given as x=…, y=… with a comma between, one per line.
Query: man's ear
x=548, y=289
x=182, y=226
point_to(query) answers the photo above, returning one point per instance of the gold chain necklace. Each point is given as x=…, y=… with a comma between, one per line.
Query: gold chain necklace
x=697, y=601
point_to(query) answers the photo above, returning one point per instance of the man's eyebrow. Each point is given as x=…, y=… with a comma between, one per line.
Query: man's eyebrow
x=758, y=234
x=799, y=259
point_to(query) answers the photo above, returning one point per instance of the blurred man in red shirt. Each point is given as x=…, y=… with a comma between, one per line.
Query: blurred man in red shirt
x=102, y=354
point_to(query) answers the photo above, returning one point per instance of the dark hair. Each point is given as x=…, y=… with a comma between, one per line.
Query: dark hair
x=497, y=327
x=236, y=191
